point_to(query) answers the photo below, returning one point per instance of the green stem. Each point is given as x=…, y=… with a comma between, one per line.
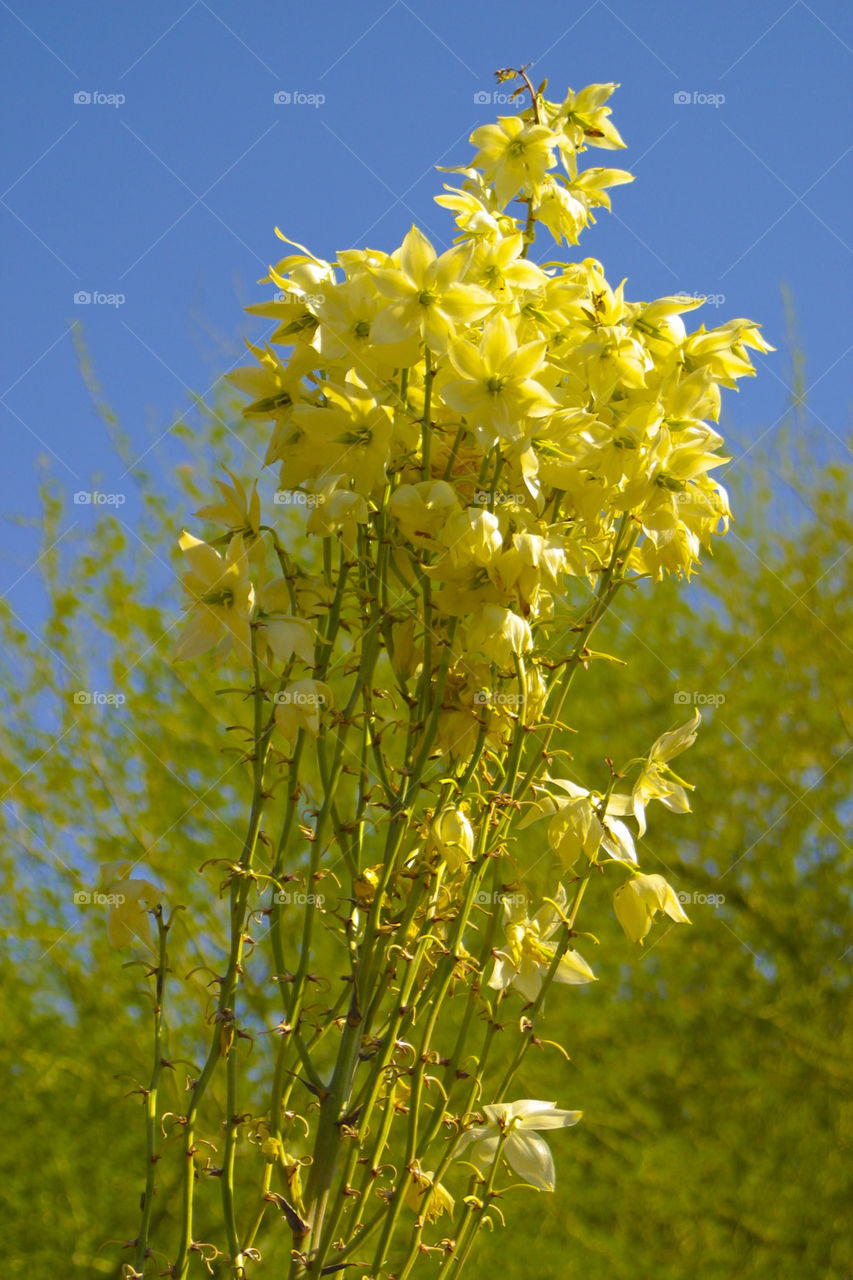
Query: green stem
x=227, y=1174
x=468, y=1236
x=151, y=1155
x=426, y=424
x=241, y=887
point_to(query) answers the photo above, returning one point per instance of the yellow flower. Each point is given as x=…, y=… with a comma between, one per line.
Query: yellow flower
x=349, y=436
x=517, y=1124
x=274, y=386
x=472, y=536
x=583, y=120
x=497, y=392
x=452, y=837
x=301, y=278
x=529, y=564
x=499, y=266
x=129, y=901
x=221, y=600
x=427, y=295
x=298, y=706
x=284, y=635
x=441, y=1201
x=656, y=780
x=421, y=511
x=237, y=512
x=561, y=212
x=514, y=155
x=637, y=902
x=240, y=514
x=530, y=953
x=499, y=633
x=723, y=351
x=346, y=313
x=338, y=512
x=365, y=884
x=565, y=207
x=478, y=213
x=577, y=825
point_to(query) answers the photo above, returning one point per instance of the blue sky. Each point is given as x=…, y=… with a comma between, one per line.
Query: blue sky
x=161, y=192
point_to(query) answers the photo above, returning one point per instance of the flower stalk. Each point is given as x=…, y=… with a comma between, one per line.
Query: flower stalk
x=475, y=454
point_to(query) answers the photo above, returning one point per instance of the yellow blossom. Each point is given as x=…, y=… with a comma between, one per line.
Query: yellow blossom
x=517, y=1124
x=128, y=900
x=530, y=951
x=440, y=1201
x=299, y=706
x=497, y=391
x=514, y=155
x=637, y=902
x=221, y=600
x=452, y=837
x=427, y=295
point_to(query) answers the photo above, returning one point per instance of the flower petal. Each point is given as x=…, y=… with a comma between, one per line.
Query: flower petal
x=530, y=1157
x=574, y=969
x=416, y=254
x=543, y=1115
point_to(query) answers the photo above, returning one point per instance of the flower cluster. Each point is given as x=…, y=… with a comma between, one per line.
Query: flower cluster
x=472, y=453
x=505, y=415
